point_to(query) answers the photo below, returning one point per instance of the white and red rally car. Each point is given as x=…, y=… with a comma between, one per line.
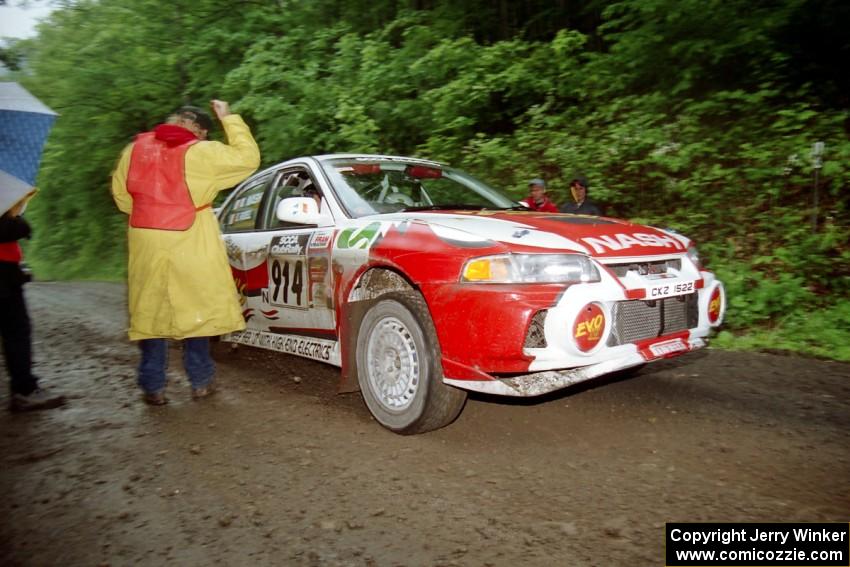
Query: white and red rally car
x=422, y=282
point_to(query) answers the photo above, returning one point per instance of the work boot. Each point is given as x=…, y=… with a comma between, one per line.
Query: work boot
x=38, y=399
x=203, y=391
x=155, y=398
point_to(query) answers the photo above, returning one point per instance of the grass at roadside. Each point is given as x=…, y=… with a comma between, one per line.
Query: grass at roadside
x=821, y=333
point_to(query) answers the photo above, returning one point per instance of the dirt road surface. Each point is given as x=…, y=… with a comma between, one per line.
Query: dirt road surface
x=277, y=469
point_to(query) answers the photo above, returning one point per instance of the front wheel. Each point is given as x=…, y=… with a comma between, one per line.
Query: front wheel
x=399, y=366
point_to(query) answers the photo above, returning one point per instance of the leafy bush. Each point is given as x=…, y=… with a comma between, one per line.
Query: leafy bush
x=701, y=120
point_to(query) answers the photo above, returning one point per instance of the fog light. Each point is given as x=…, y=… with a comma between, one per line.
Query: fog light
x=589, y=326
x=715, y=306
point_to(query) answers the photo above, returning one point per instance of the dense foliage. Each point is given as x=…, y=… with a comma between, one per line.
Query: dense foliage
x=694, y=115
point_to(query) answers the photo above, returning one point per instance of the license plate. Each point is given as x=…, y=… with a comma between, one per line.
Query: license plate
x=667, y=347
x=670, y=289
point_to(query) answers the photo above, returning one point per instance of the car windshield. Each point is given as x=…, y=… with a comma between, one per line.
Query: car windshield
x=368, y=186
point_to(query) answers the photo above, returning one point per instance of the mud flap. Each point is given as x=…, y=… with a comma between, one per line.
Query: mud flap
x=350, y=322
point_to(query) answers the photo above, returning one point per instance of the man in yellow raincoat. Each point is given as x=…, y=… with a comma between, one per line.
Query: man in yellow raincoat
x=179, y=280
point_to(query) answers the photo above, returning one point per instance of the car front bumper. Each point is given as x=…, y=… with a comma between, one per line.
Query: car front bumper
x=539, y=383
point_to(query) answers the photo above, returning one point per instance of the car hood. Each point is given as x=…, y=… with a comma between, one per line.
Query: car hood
x=520, y=230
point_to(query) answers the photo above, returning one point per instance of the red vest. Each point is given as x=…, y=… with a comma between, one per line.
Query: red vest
x=10, y=252
x=157, y=182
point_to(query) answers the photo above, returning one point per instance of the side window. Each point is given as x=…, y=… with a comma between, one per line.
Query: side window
x=241, y=212
x=291, y=183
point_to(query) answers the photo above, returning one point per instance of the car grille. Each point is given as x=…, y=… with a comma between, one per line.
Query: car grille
x=645, y=268
x=535, y=338
x=634, y=320
x=637, y=320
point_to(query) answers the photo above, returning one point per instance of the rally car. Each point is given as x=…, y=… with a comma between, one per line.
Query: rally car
x=422, y=283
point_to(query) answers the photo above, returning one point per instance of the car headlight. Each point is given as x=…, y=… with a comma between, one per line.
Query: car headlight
x=530, y=268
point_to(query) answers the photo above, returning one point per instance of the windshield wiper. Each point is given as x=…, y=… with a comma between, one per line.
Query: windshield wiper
x=447, y=207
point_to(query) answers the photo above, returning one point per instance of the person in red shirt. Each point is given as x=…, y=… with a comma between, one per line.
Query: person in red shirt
x=537, y=199
x=15, y=328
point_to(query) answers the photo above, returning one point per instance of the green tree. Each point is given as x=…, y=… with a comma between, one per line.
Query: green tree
x=690, y=115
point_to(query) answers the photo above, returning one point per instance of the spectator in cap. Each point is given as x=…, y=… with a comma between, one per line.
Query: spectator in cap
x=192, y=115
x=179, y=281
x=537, y=199
x=580, y=205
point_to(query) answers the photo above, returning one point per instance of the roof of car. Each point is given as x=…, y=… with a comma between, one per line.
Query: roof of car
x=376, y=157
x=364, y=157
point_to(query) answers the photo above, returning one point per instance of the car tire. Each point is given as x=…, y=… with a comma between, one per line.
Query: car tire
x=399, y=366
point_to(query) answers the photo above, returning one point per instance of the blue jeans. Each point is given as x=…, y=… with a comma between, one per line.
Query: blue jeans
x=197, y=363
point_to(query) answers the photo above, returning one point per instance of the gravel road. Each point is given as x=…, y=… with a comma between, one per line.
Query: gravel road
x=277, y=469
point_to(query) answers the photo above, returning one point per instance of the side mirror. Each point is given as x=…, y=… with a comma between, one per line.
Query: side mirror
x=302, y=210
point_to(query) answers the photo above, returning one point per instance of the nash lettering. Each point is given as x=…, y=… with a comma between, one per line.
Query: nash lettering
x=620, y=241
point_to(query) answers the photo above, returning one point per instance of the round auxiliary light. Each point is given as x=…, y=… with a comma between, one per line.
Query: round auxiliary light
x=588, y=327
x=715, y=306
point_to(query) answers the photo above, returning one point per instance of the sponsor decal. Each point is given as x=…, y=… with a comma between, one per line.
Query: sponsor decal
x=316, y=349
x=621, y=241
x=248, y=201
x=321, y=240
x=317, y=269
x=289, y=245
x=271, y=314
x=234, y=218
x=588, y=327
x=360, y=238
x=714, y=306
x=667, y=347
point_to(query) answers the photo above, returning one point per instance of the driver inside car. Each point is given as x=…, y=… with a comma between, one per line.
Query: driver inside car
x=313, y=191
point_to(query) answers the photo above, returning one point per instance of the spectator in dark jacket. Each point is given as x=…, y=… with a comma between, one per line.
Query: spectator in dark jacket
x=580, y=205
x=14, y=320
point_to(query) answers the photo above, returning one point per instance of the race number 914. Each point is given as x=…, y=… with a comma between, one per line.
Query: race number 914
x=288, y=283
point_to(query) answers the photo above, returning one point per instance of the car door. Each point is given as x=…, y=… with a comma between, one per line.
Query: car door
x=296, y=305
x=245, y=245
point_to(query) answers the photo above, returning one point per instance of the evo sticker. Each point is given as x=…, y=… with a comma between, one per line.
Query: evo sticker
x=714, y=306
x=587, y=330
